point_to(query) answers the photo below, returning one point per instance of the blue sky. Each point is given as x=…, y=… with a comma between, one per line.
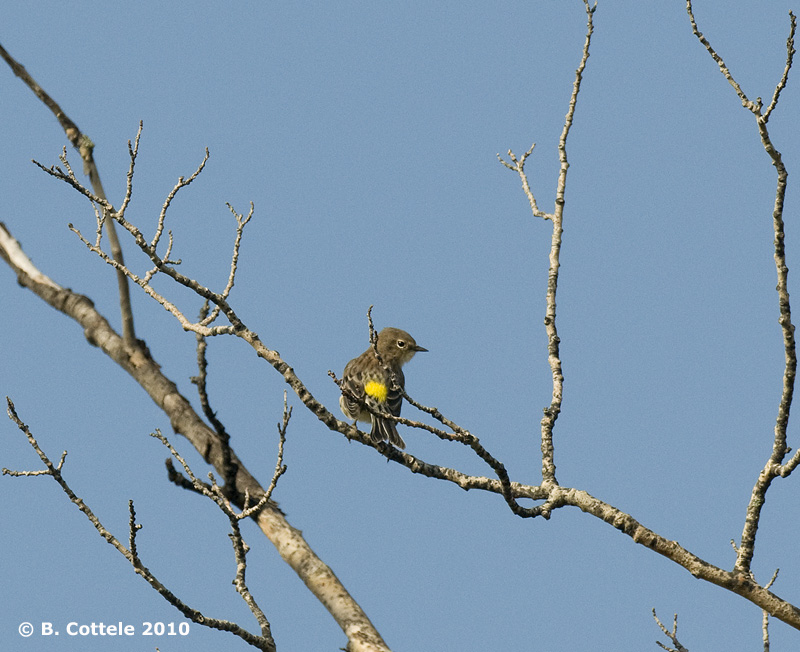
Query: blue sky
x=366, y=135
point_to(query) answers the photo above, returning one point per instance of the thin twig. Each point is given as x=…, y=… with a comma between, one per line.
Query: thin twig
x=133, y=152
x=280, y=467
x=673, y=635
x=229, y=469
x=765, y=614
x=182, y=183
x=518, y=166
x=789, y=58
x=133, y=528
x=746, y=102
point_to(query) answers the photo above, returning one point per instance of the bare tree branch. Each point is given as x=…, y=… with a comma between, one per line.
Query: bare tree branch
x=774, y=466
x=85, y=147
x=240, y=548
x=556, y=217
x=263, y=642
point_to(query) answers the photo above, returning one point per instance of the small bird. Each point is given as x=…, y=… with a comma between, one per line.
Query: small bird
x=365, y=383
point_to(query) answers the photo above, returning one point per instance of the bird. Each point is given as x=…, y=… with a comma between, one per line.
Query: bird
x=367, y=387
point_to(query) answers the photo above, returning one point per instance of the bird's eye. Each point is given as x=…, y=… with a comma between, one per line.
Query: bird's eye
x=401, y=344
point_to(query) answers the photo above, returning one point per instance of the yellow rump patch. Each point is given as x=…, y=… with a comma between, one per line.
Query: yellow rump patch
x=377, y=390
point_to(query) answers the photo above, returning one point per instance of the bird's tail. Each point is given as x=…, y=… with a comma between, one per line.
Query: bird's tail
x=386, y=430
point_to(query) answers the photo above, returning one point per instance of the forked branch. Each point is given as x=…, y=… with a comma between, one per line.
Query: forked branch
x=775, y=466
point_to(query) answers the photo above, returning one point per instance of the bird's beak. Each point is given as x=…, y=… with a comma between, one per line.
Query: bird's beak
x=420, y=349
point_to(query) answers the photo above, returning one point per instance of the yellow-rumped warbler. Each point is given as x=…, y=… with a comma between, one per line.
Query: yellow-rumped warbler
x=367, y=384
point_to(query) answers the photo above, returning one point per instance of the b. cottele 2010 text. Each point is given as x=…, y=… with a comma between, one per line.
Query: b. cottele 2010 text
x=119, y=629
